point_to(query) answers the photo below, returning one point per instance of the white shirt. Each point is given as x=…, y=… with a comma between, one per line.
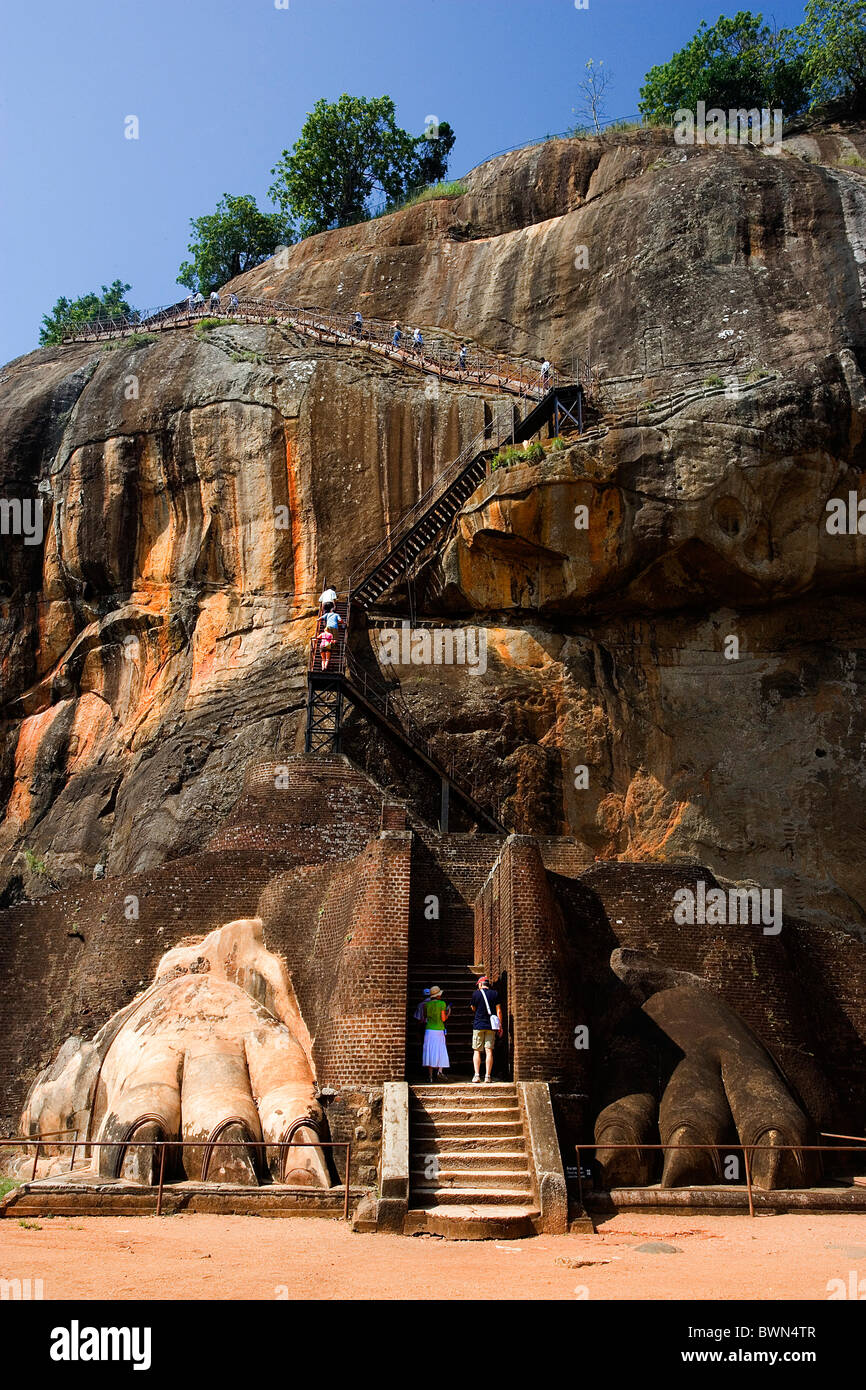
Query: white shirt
x=328, y=596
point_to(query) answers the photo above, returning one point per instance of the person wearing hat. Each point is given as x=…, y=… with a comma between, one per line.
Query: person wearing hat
x=434, y=1054
x=486, y=1024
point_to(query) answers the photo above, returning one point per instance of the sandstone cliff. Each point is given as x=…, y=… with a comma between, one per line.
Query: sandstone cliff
x=200, y=487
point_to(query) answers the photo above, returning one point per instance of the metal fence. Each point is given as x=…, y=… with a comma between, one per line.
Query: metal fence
x=745, y=1149
x=439, y=354
x=260, y=1145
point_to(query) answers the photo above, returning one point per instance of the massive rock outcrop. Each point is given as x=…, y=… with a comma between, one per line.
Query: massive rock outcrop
x=199, y=487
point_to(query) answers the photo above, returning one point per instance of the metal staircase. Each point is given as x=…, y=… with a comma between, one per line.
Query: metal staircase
x=416, y=533
x=423, y=524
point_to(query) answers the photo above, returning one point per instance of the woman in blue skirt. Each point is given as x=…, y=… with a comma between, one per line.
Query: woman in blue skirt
x=434, y=1055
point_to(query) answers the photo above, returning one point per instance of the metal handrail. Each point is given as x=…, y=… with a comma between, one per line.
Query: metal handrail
x=437, y=355
x=428, y=500
x=163, y=1144
x=746, y=1150
x=390, y=702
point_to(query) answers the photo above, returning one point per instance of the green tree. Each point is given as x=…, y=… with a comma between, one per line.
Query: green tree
x=348, y=150
x=70, y=313
x=229, y=241
x=739, y=62
x=432, y=151
x=834, y=42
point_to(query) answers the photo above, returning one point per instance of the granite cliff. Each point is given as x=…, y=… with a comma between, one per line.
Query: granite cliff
x=199, y=487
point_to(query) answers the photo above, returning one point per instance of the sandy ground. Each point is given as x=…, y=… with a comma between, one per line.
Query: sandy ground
x=247, y=1257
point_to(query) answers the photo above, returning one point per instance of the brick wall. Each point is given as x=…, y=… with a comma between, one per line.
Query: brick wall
x=360, y=957
x=520, y=937
x=70, y=961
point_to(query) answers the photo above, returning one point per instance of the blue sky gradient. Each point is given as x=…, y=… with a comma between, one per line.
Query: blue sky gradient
x=221, y=87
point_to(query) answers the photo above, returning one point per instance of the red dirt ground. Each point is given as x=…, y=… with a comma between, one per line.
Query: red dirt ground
x=247, y=1257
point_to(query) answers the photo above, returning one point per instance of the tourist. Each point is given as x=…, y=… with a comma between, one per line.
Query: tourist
x=545, y=376
x=359, y=324
x=461, y=359
x=333, y=622
x=327, y=599
x=233, y=302
x=214, y=301
x=198, y=302
x=419, y=343
x=326, y=642
x=485, y=1026
x=398, y=334
x=191, y=302
x=434, y=1054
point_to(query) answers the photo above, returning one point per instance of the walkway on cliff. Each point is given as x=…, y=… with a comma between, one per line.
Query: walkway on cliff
x=439, y=356
x=415, y=535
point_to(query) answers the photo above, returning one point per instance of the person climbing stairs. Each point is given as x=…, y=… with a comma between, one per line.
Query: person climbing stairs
x=457, y=982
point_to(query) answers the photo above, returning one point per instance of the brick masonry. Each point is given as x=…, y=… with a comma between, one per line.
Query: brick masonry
x=341, y=877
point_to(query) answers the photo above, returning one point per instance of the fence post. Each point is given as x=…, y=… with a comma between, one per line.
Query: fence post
x=749, y=1180
x=161, y=1176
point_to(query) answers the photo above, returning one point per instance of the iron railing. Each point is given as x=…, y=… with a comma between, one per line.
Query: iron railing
x=391, y=703
x=488, y=440
x=207, y=1144
x=439, y=353
x=745, y=1149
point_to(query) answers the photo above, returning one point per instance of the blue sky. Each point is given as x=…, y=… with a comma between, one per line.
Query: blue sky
x=221, y=87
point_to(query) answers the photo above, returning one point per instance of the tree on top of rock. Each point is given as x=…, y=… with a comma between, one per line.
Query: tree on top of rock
x=225, y=243
x=834, y=38
x=349, y=150
x=738, y=62
x=68, y=314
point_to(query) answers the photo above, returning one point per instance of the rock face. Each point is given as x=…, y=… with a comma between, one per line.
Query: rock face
x=199, y=488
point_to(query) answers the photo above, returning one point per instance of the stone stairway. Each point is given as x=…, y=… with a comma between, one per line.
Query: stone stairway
x=457, y=983
x=470, y=1174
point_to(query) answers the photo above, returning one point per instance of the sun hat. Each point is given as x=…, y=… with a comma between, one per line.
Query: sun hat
x=435, y=992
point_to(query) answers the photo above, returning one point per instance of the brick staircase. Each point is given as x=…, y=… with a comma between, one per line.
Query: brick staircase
x=457, y=983
x=470, y=1174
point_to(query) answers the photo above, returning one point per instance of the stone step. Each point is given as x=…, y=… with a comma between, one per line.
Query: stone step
x=472, y=1223
x=466, y=1129
x=506, y=1146
x=502, y=1089
x=483, y=1109
x=510, y=1179
x=449, y=1157
x=428, y=1195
